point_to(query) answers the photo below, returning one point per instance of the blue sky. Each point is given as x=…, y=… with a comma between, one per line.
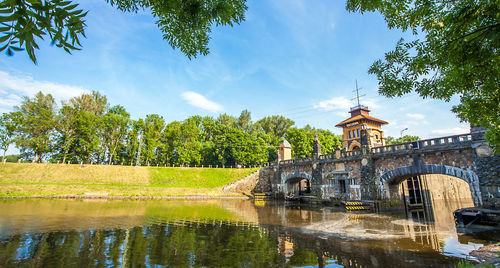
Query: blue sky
x=295, y=58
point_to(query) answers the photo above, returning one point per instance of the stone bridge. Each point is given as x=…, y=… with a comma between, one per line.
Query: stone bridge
x=375, y=173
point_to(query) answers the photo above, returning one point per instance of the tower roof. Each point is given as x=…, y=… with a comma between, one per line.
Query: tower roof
x=286, y=144
x=358, y=113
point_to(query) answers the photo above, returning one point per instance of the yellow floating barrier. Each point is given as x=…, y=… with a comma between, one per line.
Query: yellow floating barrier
x=357, y=205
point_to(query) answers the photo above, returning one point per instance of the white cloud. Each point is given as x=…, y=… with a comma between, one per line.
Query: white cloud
x=10, y=101
x=416, y=116
x=16, y=86
x=417, y=103
x=343, y=104
x=337, y=103
x=452, y=131
x=372, y=104
x=343, y=114
x=200, y=101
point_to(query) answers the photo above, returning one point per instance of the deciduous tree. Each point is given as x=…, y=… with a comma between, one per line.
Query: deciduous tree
x=406, y=138
x=455, y=51
x=301, y=141
x=275, y=125
x=244, y=122
x=153, y=129
x=116, y=122
x=90, y=108
x=9, y=124
x=66, y=127
x=227, y=120
x=37, y=125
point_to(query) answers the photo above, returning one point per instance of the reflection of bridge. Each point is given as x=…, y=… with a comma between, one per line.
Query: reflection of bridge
x=371, y=173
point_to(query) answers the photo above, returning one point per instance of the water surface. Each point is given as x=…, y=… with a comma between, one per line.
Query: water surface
x=221, y=233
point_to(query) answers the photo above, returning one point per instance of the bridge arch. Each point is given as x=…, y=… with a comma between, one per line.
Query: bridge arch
x=355, y=145
x=296, y=183
x=296, y=175
x=397, y=175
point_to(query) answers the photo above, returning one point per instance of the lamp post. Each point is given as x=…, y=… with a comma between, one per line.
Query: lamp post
x=403, y=130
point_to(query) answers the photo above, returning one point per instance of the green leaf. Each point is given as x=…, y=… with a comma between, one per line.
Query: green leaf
x=6, y=10
x=5, y=38
x=4, y=47
x=71, y=7
x=12, y=17
x=16, y=48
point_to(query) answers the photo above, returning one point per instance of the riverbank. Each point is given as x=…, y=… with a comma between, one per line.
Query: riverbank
x=98, y=181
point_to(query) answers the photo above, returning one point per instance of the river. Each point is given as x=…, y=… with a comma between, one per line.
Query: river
x=221, y=233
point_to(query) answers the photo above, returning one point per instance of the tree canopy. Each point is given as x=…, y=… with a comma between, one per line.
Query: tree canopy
x=186, y=25
x=406, y=138
x=455, y=51
x=87, y=129
x=302, y=140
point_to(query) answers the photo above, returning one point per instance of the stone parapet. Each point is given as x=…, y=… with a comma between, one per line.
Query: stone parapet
x=430, y=145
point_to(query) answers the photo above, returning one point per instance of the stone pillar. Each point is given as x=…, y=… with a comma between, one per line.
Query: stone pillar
x=317, y=173
x=477, y=133
x=317, y=178
x=316, y=147
x=367, y=178
x=365, y=138
x=487, y=169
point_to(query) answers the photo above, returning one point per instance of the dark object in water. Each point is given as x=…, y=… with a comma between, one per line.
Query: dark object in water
x=466, y=217
x=302, y=199
x=292, y=198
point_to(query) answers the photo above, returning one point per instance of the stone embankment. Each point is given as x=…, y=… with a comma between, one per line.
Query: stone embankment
x=257, y=182
x=489, y=254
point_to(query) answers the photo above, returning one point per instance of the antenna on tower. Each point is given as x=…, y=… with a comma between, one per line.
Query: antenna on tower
x=357, y=93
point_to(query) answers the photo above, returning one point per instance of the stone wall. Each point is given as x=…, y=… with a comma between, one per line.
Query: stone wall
x=264, y=183
x=257, y=182
x=488, y=171
x=371, y=170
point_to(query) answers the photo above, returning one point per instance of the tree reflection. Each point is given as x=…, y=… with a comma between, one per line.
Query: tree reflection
x=159, y=244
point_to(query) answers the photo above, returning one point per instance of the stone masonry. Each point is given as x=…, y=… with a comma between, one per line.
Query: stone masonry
x=373, y=173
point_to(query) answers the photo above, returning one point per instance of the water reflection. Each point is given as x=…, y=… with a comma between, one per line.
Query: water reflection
x=230, y=233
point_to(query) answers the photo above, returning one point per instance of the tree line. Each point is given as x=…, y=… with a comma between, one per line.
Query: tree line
x=86, y=129
x=403, y=139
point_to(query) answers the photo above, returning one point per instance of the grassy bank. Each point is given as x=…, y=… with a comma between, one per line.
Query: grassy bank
x=53, y=180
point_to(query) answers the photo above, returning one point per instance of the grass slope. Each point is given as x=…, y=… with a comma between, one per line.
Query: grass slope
x=196, y=177
x=52, y=180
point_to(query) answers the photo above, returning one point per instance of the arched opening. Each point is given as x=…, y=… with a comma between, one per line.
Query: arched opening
x=432, y=197
x=298, y=187
x=355, y=145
